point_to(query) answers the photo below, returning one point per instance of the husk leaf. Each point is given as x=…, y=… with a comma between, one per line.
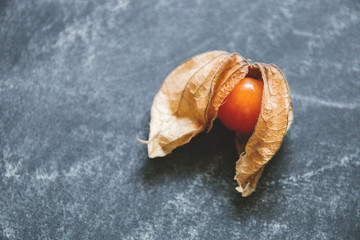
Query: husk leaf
x=186, y=104
x=274, y=120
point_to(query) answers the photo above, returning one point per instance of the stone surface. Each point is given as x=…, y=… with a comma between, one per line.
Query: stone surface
x=77, y=79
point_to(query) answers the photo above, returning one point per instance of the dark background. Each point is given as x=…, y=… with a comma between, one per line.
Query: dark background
x=77, y=80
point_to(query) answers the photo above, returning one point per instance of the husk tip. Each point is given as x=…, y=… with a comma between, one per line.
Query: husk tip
x=143, y=141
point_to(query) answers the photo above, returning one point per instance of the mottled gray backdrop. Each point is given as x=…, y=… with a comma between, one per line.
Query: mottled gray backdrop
x=77, y=80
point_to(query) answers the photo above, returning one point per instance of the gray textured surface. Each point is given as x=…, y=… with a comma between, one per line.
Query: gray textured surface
x=77, y=80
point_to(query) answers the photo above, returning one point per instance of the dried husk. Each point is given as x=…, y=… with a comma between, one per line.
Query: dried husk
x=274, y=120
x=188, y=101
